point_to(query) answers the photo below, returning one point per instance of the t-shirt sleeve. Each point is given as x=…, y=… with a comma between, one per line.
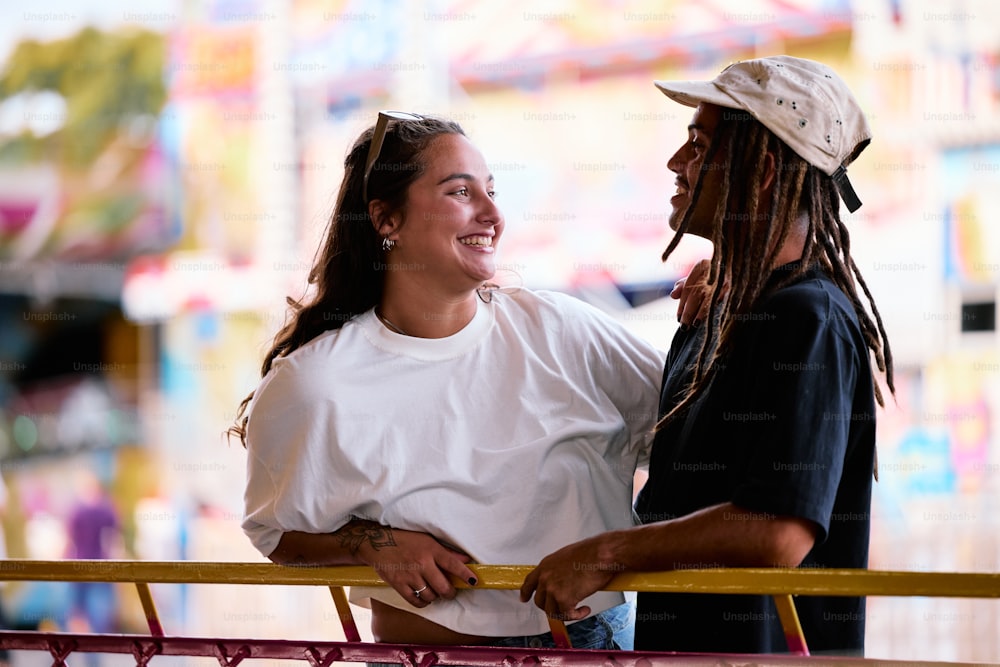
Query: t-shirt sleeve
x=625, y=367
x=804, y=370
x=293, y=482
x=259, y=522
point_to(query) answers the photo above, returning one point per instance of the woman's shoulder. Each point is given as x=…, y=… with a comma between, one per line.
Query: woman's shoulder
x=559, y=316
x=314, y=360
x=297, y=379
x=309, y=353
x=542, y=302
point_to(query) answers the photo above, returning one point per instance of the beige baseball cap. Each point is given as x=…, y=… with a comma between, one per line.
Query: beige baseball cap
x=803, y=102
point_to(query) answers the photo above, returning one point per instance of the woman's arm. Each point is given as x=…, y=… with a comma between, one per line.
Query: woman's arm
x=406, y=560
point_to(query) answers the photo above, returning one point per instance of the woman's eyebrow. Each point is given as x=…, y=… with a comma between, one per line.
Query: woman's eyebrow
x=462, y=177
x=456, y=177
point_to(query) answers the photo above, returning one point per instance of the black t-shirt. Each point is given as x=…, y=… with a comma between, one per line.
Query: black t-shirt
x=786, y=427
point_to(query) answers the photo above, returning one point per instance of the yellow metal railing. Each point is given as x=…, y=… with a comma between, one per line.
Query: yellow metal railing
x=764, y=581
x=783, y=584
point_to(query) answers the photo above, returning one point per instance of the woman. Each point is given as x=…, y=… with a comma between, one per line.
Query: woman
x=414, y=418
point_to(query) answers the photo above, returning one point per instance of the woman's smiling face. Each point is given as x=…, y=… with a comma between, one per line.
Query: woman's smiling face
x=450, y=224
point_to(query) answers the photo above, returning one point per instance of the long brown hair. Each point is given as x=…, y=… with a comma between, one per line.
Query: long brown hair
x=741, y=249
x=349, y=269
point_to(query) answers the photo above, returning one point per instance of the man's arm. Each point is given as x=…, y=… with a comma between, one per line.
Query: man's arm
x=406, y=560
x=720, y=536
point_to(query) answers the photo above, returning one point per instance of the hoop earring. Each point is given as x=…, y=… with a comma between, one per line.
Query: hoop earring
x=388, y=244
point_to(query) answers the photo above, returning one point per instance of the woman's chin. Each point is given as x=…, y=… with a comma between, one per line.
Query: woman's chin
x=482, y=273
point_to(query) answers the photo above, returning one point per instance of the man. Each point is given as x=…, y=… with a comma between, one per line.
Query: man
x=765, y=451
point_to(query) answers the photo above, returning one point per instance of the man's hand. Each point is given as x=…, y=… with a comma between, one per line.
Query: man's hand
x=569, y=575
x=408, y=561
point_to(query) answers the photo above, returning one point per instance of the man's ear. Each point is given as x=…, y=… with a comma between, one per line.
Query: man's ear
x=386, y=223
x=767, y=176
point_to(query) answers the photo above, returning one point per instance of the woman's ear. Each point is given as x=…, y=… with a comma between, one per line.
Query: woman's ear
x=386, y=223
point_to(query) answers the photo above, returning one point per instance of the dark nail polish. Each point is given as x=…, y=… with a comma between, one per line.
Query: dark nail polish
x=684, y=327
x=472, y=581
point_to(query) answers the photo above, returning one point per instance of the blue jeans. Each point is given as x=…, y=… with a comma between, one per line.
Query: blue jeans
x=611, y=629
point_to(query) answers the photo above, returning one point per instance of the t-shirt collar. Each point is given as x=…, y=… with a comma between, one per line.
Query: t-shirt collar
x=429, y=349
x=782, y=272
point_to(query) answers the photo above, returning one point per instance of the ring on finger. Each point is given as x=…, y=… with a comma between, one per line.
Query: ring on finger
x=417, y=592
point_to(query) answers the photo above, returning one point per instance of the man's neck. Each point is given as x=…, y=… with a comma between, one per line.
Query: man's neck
x=793, y=247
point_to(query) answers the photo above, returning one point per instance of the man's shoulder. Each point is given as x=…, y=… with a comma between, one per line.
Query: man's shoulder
x=814, y=297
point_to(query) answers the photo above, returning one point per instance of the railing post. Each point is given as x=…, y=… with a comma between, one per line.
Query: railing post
x=149, y=609
x=344, y=613
x=794, y=636
x=559, y=634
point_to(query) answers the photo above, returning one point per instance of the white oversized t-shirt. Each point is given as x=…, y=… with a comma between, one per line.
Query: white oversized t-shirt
x=510, y=439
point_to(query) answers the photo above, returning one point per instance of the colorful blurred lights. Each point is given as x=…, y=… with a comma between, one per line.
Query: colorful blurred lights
x=25, y=432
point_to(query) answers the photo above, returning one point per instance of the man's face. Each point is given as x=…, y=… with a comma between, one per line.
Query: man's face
x=687, y=164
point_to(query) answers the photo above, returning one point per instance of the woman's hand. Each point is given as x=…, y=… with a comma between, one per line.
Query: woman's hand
x=409, y=561
x=693, y=293
x=406, y=560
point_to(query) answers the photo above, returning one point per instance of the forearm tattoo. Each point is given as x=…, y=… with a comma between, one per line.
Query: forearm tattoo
x=359, y=531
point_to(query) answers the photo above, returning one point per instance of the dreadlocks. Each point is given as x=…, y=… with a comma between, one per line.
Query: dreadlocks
x=745, y=241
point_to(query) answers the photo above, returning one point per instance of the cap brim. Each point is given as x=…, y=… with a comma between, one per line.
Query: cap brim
x=693, y=93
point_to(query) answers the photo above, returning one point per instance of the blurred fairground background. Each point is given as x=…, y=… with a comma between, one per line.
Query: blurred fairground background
x=167, y=167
